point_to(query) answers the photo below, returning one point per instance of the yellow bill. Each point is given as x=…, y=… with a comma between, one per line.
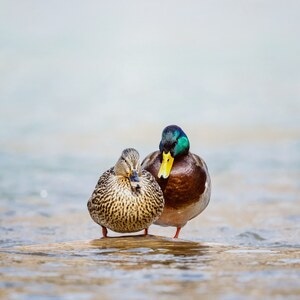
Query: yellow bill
x=166, y=165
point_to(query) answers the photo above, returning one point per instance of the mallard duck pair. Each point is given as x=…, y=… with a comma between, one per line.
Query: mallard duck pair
x=169, y=188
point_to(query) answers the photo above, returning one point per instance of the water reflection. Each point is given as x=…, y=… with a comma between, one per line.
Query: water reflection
x=143, y=264
x=139, y=252
x=146, y=267
x=151, y=244
x=136, y=250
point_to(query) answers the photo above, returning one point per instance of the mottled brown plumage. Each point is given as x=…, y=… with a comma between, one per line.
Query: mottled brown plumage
x=187, y=187
x=126, y=197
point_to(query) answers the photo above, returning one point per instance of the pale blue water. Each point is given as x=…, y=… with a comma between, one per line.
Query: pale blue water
x=80, y=82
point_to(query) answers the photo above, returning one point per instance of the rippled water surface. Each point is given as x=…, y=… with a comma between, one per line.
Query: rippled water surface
x=79, y=83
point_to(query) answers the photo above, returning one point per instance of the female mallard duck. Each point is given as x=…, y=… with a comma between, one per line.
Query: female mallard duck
x=126, y=197
x=182, y=176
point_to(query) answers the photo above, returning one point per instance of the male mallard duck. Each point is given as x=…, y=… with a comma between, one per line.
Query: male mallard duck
x=126, y=198
x=182, y=176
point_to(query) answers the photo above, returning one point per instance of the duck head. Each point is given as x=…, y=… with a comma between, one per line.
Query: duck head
x=129, y=166
x=174, y=143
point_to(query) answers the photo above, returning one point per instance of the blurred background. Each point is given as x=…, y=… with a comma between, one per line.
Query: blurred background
x=79, y=82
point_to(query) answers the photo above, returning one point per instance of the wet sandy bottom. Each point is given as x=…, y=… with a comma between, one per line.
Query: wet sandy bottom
x=146, y=267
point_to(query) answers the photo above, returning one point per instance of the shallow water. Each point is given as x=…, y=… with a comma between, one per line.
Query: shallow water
x=145, y=267
x=76, y=91
x=139, y=267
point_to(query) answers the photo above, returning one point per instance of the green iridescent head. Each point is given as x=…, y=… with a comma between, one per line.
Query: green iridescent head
x=174, y=143
x=174, y=140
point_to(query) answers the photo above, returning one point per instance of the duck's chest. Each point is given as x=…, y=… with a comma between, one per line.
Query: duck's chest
x=185, y=184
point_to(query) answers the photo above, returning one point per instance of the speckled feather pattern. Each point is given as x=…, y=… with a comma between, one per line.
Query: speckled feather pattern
x=115, y=205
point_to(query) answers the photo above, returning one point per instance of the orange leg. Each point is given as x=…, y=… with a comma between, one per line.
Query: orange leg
x=104, y=231
x=146, y=231
x=177, y=232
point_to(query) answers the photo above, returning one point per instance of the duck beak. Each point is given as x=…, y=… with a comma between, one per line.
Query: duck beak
x=134, y=179
x=166, y=165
